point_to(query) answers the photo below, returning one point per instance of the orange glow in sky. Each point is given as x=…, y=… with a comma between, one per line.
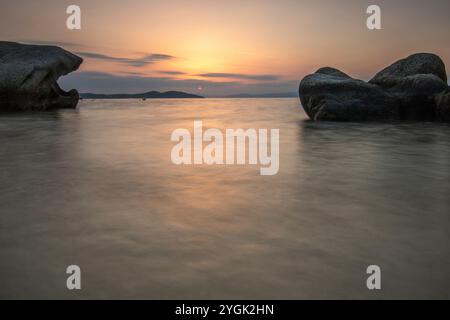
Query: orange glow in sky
x=253, y=45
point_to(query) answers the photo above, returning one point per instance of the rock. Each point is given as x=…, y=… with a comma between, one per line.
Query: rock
x=29, y=74
x=416, y=96
x=419, y=63
x=406, y=90
x=443, y=106
x=331, y=95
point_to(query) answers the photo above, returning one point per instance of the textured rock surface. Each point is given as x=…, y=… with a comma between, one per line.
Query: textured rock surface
x=330, y=94
x=406, y=90
x=443, y=106
x=419, y=63
x=29, y=74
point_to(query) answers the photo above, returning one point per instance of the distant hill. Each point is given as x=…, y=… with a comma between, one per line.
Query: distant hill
x=146, y=95
x=265, y=95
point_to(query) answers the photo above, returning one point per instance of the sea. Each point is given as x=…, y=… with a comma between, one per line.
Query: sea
x=95, y=187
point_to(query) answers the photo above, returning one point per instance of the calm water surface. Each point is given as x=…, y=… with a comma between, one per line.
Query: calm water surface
x=96, y=187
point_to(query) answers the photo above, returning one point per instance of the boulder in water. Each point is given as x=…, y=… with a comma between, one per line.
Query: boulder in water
x=29, y=74
x=409, y=89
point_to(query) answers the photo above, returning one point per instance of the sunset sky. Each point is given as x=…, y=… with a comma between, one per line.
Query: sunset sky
x=219, y=48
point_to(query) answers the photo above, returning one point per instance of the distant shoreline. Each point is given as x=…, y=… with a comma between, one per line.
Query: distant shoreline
x=146, y=95
x=182, y=95
x=174, y=98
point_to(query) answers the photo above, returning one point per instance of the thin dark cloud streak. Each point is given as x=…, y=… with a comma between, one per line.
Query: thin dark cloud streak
x=172, y=73
x=137, y=62
x=240, y=76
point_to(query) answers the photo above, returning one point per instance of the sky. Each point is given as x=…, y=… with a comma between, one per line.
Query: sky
x=220, y=48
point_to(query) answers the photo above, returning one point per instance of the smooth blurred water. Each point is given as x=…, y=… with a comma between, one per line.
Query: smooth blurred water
x=96, y=187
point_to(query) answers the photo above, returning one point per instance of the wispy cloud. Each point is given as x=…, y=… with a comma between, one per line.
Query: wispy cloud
x=240, y=76
x=136, y=62
x=171, y=73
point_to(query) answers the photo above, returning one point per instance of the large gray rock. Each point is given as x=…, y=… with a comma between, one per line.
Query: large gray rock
x=29, y=74
x=330, y=94
x=406, y=90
